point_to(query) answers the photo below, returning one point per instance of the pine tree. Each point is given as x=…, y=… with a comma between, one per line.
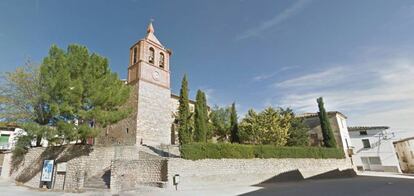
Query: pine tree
x=70, y=86
x=234, y=129
x=328, y=136
x=200, y=118
x=184, y=129
x=82, y=93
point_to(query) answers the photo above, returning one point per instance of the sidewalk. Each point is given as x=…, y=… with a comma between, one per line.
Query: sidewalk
x=385, y=174
x=9, y=188
x=207, y=190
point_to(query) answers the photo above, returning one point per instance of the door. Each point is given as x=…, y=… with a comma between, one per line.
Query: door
x=365, y=163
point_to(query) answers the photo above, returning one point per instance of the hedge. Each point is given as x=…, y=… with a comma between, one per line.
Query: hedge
x=197, y=151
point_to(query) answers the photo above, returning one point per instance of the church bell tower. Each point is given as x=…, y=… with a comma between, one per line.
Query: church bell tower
x=149, y=72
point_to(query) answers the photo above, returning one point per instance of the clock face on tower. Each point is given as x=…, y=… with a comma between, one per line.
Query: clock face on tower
x=156, y=75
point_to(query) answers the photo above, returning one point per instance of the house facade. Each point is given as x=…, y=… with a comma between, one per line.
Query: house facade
x=339, y=129
x=8, y=136
x=405, y=153
x=374, y=149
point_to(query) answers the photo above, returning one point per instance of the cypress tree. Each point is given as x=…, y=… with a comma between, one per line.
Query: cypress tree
x=206, y=117
x=328, y=136
x=184, y=129
x=234, y=128
x=200, y=118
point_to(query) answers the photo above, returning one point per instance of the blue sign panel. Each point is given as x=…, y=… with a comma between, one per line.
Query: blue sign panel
x=47, y=171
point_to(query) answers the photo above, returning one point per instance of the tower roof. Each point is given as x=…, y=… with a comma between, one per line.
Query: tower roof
x=150, y=28
x=150, y=34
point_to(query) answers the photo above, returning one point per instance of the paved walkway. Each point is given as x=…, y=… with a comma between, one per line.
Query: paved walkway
x=8, y=188
x=385, y=174
x=371, y=181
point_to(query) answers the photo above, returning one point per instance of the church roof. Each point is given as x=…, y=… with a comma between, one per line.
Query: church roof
x=150, y=34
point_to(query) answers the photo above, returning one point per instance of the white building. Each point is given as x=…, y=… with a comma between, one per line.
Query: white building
x=8, y=136
x=374, y=149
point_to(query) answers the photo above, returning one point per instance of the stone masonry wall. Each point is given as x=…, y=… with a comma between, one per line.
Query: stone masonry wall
x=130, y=174
x=82, y=162
x=124, y=131
x=154, y=114
x=245, y=171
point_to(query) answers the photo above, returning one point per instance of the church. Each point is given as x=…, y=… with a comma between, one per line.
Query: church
x=152, y=121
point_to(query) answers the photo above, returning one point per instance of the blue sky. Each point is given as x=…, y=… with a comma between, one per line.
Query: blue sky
x=358, y=55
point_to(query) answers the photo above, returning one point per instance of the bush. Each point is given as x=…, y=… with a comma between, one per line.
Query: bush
x=197, y=151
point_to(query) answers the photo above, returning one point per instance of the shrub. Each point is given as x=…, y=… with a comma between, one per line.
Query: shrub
x=195, y=151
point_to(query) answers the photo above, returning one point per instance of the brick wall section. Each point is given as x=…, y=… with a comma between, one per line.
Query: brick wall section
x=130, y=174
x=245, y=171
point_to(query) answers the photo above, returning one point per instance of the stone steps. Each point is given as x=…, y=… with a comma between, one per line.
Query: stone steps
x=159, y=184
x=100, y=181
x=159, y=151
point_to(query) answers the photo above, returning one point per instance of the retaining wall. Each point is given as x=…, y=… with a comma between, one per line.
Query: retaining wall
x=221, y=172
x=131, y=174
x=82, y=162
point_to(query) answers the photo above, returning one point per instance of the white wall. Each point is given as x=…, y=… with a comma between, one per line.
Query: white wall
x=343, y=130
x=380, y=147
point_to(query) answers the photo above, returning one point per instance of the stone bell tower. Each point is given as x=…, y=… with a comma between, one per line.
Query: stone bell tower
x=149, y=72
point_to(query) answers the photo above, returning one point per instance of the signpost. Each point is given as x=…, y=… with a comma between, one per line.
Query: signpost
x=61, y=167
x=47, y=173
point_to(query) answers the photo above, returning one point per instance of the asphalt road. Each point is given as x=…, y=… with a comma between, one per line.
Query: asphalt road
x=355, y=186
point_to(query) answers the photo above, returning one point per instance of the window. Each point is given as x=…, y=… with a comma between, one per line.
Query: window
x=151, y=55
x=127, y=130
x=134, y=60
x=366, y=143
x=374, y=160
x=161, y=60
x=363, y=133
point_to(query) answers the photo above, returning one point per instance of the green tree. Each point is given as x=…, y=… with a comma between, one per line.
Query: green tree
x=234, y=127
x=267, y=127
x=249, y=128
x=220, y=123
x=184, y=116
x=206, y=117
x=328, y=136
x=298, y=132
x=200, y=118
x=82, y=94
x=21, y=101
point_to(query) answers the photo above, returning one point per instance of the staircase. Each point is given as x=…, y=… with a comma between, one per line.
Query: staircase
x=100, y=181
x=162, y=151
